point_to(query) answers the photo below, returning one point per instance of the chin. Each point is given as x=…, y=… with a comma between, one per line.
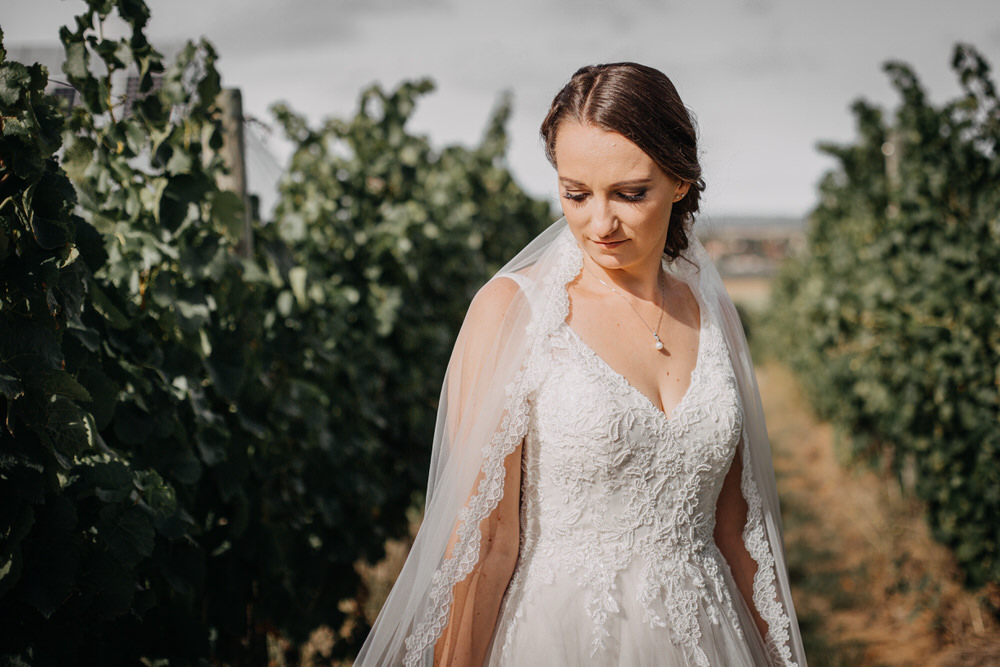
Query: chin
x=609, y=261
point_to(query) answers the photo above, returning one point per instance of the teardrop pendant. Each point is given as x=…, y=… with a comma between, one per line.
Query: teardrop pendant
x=656, y=332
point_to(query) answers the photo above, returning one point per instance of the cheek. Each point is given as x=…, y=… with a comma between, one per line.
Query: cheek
x=655, y=218
x=575, y=221
x=573, y=212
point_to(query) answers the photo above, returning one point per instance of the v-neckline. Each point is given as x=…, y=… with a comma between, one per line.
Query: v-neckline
x=631, y=387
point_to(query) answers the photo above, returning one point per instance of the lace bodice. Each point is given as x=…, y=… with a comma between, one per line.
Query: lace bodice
x=610, y=484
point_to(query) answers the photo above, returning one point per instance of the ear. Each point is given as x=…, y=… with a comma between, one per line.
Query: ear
x=682, y=189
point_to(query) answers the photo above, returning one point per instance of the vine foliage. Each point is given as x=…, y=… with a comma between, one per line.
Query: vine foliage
x=197, y=447
x=892, y=318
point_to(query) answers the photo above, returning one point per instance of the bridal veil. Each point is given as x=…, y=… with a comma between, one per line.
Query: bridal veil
x=482, y=416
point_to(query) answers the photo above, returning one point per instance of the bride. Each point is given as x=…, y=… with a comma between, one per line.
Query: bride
x=601, y=490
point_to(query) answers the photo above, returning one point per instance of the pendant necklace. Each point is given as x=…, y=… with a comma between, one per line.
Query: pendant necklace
x=655, y=332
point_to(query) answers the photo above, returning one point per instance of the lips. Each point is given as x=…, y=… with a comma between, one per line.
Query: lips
x=609, y=244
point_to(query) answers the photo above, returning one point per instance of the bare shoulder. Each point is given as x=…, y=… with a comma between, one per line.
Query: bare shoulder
x=682, y=303
x=488, y=315
x=493, y=300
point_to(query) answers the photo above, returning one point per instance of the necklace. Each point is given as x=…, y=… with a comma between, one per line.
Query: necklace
x=656, y=332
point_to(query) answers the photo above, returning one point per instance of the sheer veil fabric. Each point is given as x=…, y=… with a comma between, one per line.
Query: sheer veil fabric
x=482, y=417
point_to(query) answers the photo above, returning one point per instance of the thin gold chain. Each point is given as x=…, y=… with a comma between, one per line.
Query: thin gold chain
x=656, y=332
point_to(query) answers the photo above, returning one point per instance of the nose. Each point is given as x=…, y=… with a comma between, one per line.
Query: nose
x=603, y=221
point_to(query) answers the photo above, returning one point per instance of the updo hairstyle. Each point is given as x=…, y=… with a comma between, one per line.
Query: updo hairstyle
x=641, y=104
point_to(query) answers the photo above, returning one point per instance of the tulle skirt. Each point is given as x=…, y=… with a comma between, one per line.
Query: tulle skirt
x=549, y=618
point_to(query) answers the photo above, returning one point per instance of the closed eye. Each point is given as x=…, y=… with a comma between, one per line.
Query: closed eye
x=632, y=196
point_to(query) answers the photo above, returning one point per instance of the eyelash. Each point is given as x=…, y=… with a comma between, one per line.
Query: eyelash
x=630, y=198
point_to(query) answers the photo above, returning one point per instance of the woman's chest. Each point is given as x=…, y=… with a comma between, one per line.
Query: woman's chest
x=589, y=426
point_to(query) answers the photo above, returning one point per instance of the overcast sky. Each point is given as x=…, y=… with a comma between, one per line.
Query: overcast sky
x=767, y=79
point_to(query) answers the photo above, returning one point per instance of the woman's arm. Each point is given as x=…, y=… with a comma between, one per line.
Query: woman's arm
x=476, y=603
x=730, y=519
x=466, y=638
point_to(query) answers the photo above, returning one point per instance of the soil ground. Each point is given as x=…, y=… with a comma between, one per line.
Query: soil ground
x=871, y=587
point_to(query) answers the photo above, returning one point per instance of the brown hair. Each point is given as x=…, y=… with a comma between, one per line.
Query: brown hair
x=641, y=104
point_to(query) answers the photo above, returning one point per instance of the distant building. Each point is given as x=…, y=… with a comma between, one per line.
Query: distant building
x=126, y=85
x=748, y=246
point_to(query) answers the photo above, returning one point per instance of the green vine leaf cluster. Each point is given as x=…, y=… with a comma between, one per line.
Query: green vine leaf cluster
x=198, y=447
x=892, y=318
x=380, y=242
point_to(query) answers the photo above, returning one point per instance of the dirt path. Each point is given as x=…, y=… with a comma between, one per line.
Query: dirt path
x=871, y=586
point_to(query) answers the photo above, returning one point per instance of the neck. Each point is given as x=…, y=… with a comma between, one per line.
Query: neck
x=642, y=282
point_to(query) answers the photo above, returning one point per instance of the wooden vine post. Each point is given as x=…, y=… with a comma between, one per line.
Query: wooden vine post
x=230, y=103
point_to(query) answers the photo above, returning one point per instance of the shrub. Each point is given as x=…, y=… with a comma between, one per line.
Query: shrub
x=892, y=318
x=199, y=446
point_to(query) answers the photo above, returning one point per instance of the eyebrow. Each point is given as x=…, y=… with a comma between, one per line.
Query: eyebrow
x=619, y=184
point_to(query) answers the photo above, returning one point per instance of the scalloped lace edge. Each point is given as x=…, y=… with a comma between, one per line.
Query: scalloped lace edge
x=765, y=594
x=511, y=431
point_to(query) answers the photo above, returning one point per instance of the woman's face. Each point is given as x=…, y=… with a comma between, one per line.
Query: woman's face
x=616, y=200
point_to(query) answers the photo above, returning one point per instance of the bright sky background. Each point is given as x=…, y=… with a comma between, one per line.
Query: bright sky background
x=767, y=79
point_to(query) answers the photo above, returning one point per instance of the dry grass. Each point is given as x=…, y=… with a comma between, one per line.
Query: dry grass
x=871, y=585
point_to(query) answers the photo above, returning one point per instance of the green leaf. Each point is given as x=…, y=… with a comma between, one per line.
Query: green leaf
x=176, y=198
x=66, y=430
x=103, y=392
x=51, y=557
x=183, y=466
x=226, y=367
x=62, y=384
x=77, y=64
x=112, y=586
x=227, y=211
x=19, y=517
x=212, y=444
x=14, y=80
x=102, y=304
x=108, y=480
x=158, y=495
x=180, y=162
x=10, y=386
x=135, y=137
x=49, y=233
x=297, y=277
x=128, y=532
x=131, y=424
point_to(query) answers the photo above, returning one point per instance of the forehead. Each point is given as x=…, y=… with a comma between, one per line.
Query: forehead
x=589, y=154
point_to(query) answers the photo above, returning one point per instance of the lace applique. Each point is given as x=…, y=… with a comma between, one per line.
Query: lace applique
x=465, y=554
x=765, y=595
x=627, y=485
x=617, y=485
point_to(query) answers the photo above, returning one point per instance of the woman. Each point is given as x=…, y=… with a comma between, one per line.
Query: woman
x=601, y=490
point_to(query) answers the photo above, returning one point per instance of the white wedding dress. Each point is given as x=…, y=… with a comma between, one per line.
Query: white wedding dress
x=617, y=564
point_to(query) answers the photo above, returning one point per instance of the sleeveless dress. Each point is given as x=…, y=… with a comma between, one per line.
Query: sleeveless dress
x=617, y=562
x=618, y=565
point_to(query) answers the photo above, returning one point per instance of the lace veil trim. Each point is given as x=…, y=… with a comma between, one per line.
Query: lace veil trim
x=510, y=432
